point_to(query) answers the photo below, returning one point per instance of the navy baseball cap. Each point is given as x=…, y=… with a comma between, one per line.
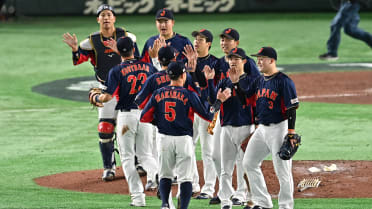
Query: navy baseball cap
x=230, y=33
x=166, y=53
x=237, y=52
x=104, y=7
x=125, y=44
x=204, y=33
x=176, y=68
x=164, y=14
x=266, y=51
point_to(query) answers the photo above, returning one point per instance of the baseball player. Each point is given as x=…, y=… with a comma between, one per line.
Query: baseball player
x=172, y=109
x=164, y=24
x=160, y=79
x=124, y=81
x=236, y=120
x=202, y=44
x=276, y=104
x=103, y=59
x=229, y=39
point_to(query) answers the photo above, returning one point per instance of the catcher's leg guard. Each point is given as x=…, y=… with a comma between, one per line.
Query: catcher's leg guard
x=106, y=128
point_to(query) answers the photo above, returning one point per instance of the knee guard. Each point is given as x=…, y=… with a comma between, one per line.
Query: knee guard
x=106, y=130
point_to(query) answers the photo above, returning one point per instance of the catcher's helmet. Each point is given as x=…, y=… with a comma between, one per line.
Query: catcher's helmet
x=104, y=7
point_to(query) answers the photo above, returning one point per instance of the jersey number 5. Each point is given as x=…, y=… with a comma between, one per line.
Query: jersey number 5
x=170, y=113
x=133, y=80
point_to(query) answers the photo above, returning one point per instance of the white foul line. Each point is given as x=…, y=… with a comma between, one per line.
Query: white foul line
x=363, y=93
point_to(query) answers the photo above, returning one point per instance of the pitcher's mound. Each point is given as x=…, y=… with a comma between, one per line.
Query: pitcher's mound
x=352, y=179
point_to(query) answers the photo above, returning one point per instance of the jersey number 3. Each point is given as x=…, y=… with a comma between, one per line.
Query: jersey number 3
x=170, y=113
x=133, y=80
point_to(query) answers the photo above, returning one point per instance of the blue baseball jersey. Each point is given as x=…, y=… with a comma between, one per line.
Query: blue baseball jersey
x=156, y=81
x=172, y=108
x=250, y=68
x=274, y=96
x=177, y=41
x=212, y=62
x=232, y=111
x=209, y=60
x=126, y=80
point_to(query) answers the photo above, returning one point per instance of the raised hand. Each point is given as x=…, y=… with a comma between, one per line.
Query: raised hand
x=223, y=95
x=191, y=56
x=71, y=41
x=208, y=72
x=111, y=43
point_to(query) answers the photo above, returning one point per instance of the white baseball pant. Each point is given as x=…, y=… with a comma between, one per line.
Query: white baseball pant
x=137, y=140
x=231, y=140
x=200, y=127
x=268, y=140
x=175, y=153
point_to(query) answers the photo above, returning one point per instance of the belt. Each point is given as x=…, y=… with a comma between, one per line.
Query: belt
x=124, y=110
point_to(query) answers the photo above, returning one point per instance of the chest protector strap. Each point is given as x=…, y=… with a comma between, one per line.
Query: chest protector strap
x=105, y=57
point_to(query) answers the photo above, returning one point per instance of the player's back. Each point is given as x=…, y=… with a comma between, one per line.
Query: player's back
x=127, y=80
x=173, y=111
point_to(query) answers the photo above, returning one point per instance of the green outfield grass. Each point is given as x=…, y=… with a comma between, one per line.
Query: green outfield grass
x=43, y=135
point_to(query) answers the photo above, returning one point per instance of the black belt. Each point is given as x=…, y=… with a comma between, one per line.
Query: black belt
x=124, y=110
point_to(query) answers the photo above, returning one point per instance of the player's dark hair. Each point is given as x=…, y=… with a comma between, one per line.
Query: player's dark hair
x=126, y=54
x=164, y=63
x=174, y=77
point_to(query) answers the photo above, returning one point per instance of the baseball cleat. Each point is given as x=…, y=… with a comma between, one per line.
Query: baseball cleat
x=138, y=200
x=328, y=57
x=226, y=207
x=236, y=202
x=203, y=196
x=138, y=204
x=259, y=207
x=215, y=200
x=165, y=206
x=108, y=175
x=151, y=186
x=140, y=170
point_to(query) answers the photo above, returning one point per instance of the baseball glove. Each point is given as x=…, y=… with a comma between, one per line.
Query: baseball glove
x=93, y=92
x=286, y=151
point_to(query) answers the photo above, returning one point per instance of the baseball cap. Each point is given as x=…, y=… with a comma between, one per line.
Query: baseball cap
x=237, y=52
x=166, y=53
x=125, y=44
x=104, y=7
x=164, y=14
x=204, y=33
x=176, y=68
x=266, y=51
x=230, y=33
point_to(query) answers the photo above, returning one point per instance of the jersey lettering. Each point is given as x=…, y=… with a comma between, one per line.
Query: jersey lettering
x=271, y=105
x=133, y=68
x=170, y=113
x=171, y=94
x=162, y=79
x=133, y=80
x=266, y=93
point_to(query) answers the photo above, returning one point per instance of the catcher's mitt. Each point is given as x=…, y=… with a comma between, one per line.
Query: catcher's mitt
x=286, y=151
x=93, y=92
